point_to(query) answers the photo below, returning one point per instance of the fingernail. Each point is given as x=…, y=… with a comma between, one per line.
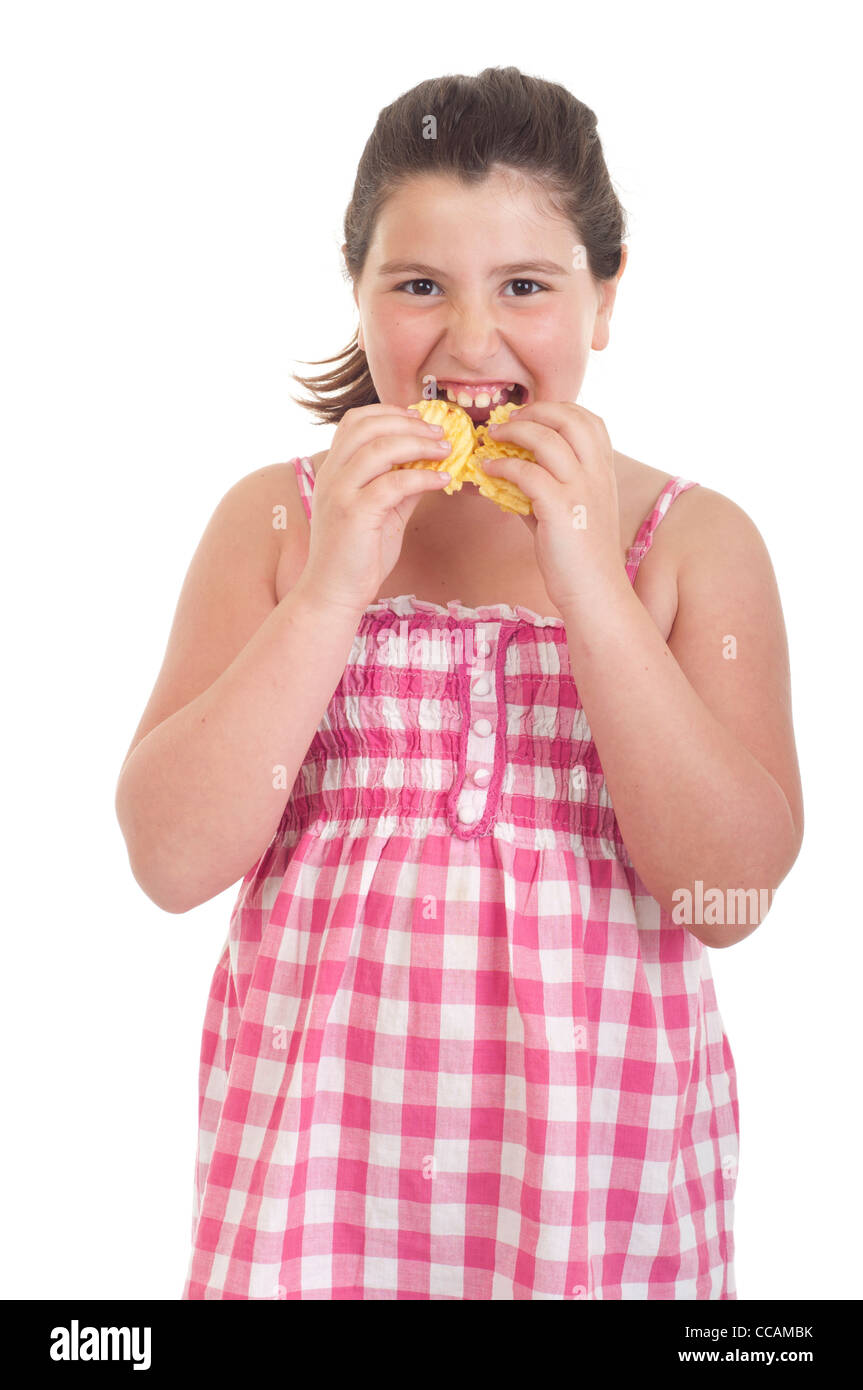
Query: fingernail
x=445, y=477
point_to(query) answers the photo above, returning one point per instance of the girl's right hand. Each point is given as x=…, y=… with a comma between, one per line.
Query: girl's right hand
x=360, y=507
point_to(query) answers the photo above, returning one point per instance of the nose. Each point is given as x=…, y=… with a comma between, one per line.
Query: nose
x=472, y=332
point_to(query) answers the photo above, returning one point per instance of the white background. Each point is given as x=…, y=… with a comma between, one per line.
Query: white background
x=174, y=178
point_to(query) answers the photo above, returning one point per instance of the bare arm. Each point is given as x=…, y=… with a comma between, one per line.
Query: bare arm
x=243, y=688
x=695, y=736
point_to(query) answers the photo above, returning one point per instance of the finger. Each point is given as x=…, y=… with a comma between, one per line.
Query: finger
x=550, y=451
x=526, y=475
x=584, y=432
x=390, y=489
x=379, y=410
x=374, y=446
x=360, y=417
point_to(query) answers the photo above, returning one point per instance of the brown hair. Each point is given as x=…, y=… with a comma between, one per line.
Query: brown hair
x=500, y=117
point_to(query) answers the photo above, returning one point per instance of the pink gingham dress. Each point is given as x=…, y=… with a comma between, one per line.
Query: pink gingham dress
x=453, y=1049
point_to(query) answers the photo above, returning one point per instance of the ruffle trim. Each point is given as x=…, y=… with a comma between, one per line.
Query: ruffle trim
x=408, y=605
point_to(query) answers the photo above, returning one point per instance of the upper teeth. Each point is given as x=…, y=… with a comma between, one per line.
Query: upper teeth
x=467, y=396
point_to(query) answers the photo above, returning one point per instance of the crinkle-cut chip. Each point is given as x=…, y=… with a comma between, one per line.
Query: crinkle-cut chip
x=501, y=413
x=458, y=430
x=499, y=490
x=499, y=448
x=469, y=446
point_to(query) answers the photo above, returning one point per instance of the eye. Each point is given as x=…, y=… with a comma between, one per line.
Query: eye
x=527, y=282
x=416, y=282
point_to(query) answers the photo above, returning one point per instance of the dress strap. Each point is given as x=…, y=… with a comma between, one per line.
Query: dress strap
x=644, y=539
x=305, y=482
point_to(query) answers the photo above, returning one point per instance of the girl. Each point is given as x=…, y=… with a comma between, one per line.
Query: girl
x=462, y=1041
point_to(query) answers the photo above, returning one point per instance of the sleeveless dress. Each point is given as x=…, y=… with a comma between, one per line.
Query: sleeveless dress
x=453, y=1049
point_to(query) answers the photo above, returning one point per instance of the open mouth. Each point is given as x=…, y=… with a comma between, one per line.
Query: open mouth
x=478, y=402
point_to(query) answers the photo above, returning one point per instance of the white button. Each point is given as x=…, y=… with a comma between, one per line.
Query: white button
x=483, y=648
x=482, y=687
x=466, y=814
x=482, y=727
x=482, y=776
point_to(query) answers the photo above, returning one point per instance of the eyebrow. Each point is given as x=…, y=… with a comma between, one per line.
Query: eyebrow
x=543, y=267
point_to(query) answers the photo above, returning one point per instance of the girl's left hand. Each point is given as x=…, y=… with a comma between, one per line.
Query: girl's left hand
x=573, y=488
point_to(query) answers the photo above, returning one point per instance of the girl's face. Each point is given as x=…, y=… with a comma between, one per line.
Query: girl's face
x=482, y=284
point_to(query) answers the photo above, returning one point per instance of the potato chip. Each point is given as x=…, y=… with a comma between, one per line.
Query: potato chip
x=458, y=430
x=504, y=493
x=469, y=446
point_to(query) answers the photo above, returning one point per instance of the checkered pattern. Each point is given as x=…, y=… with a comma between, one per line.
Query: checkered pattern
x=453, y=1049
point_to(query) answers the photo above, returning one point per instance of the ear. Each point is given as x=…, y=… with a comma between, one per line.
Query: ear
x=607, y=293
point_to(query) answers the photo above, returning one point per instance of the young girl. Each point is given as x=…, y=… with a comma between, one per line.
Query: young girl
x=462, y=1041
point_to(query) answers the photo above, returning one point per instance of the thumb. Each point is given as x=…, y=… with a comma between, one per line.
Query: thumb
x=408, y=504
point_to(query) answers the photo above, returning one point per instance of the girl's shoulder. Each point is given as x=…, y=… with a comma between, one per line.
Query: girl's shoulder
x=707, y=563
x=700, y=520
